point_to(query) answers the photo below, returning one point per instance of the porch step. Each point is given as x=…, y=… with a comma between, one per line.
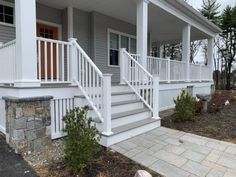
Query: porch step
x=128, y=113
x=129, y=130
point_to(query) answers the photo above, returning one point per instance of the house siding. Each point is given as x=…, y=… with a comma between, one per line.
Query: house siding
x=101, y=24
x=7, y=33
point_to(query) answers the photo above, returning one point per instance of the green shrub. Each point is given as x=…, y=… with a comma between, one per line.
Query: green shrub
x=81, y=143
x=184, y=107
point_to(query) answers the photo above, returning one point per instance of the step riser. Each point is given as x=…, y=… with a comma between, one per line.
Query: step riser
x=117, y=89
x=108, y=141
x=126, y=107
x=125, y=97
x=130, y=119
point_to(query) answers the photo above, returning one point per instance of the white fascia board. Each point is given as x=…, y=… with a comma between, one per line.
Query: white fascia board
x=177, y=13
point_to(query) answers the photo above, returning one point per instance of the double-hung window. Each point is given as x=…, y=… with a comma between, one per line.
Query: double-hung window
x=6, y=14
x=117, y=41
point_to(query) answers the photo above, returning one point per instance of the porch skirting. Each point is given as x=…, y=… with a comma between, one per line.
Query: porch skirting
x=28, y=123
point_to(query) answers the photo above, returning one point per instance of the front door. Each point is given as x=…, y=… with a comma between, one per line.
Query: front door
x=49, y=32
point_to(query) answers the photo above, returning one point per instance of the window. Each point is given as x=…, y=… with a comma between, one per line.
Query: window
x=6, y=14
x=119, y=40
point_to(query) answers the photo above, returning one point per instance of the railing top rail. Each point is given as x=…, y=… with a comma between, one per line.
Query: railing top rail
x=176, y=61
x=8, y=44
x=53, y=40
x=137, y=63
x=88, y=59
x=157, y=58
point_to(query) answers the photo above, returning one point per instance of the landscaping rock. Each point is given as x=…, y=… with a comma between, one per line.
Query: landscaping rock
x=142, y=173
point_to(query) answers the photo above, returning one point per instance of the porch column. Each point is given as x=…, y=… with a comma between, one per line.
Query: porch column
x=186, y=32
x=210, y=57
x=142, y=30
x=26, y=56
x=70, y=24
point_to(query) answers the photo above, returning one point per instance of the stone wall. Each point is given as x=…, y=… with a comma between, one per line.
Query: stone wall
x=28, y=123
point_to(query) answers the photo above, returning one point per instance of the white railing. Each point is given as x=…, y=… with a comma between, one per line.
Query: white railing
x=8, y=62
x=59, y=108
x=53, y=58
x=158, y=66
x=90, y=80
x=140, y=81
x=172, y=70
x=178, y=70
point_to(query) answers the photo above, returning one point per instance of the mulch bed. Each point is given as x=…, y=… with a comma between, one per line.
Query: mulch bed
x=107, y=163
x=218, y=123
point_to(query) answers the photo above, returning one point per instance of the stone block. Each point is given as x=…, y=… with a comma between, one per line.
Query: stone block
x=194, y=156
x=29, y=111
x=30, y=125
x=20, y=123
x=41, y=132
x=18, y=135
x=196, y=168
x=19, y=112
x=30, y=135
x=48, y=131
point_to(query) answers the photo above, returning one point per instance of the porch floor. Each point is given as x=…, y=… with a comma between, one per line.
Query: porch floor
x=175, y=153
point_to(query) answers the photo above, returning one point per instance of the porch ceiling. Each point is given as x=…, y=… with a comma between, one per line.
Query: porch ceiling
x=164, y=27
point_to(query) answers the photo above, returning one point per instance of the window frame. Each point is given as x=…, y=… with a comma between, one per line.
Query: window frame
x=109, y=30
x=9, y=4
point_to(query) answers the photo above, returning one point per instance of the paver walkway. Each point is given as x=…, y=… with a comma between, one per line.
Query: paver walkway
x=174, y=153
x=11, y=164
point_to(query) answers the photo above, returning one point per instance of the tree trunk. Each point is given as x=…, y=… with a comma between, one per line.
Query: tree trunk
x=228, y=81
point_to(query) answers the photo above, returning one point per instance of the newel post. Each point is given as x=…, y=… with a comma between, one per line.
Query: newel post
x=156, y=97
x=106, y=91
x=73, y=69
x=122, y=65
x=168, y=71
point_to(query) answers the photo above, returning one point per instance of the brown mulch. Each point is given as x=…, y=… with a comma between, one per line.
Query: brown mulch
x=107, y=163
x=219, y=123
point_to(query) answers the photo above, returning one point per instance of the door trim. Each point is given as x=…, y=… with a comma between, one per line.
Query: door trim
x=59, y=26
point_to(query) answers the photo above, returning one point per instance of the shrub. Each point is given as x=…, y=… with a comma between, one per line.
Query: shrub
x=184, y=107
x=81, y=143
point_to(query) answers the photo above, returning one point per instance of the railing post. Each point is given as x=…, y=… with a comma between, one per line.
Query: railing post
x=106, y=103
x=122, y=65
x=73, y=61
x=156, y=97
x=200, y=74
x=168, y=71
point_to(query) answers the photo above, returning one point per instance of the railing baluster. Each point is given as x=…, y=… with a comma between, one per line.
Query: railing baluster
x=57, y=60
x=45, y=62
x=51, y=63
x=39, y=60
x=63, y=61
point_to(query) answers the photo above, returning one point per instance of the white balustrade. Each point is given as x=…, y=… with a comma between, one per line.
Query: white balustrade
x=53, y=60
x=178, y=70
x=137, y=78
x=7, y=62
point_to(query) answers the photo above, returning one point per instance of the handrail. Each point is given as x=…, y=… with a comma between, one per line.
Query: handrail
x=89, y=81
x=138, y=79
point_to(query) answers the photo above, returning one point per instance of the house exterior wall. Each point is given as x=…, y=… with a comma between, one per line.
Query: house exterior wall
x=7, y=33
x=101, y=24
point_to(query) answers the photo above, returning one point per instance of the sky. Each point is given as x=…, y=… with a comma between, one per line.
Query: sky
x=197, y=3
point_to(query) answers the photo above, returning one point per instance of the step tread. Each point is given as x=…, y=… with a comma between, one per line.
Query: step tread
x=125, y=102
x=133, y=125
x=112, y=94
x=128, y=113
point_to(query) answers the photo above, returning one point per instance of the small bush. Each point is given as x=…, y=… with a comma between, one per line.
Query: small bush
x=81, y=143
x=184, y=107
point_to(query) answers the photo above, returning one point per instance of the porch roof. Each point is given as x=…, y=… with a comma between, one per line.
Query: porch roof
x=166, y=18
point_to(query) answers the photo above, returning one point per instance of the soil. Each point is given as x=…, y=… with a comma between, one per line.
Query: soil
x=108, y=163
x=219, y=122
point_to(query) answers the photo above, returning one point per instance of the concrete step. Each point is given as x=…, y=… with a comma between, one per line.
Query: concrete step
x=129, y=130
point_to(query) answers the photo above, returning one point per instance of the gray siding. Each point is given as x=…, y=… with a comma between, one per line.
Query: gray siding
x=42, y=13
x=7, y=33
x=100, y=27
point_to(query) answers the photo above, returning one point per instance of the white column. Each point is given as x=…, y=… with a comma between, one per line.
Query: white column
x=161, y=51
x=186, y=49
x=73, y=61
x=210, y=47
x=70, y=22
x=107, y=104
x=142, y=30
x=26, y=55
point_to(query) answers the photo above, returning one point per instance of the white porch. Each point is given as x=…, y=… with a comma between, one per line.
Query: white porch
x=33, y=63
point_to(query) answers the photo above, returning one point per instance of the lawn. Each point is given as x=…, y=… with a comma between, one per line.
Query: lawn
x=219, y=122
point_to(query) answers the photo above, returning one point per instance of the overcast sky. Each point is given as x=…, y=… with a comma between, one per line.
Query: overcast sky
x=198, y=3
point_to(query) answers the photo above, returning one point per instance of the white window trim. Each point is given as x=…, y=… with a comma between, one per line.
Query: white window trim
x=4, y=3
x=109, y=30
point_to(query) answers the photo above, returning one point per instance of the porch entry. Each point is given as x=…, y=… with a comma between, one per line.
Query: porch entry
x=48, y=52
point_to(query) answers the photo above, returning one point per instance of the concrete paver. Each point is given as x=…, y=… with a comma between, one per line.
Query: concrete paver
x=174, y=153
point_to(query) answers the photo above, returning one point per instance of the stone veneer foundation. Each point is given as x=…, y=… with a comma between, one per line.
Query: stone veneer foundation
x=28, y=123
